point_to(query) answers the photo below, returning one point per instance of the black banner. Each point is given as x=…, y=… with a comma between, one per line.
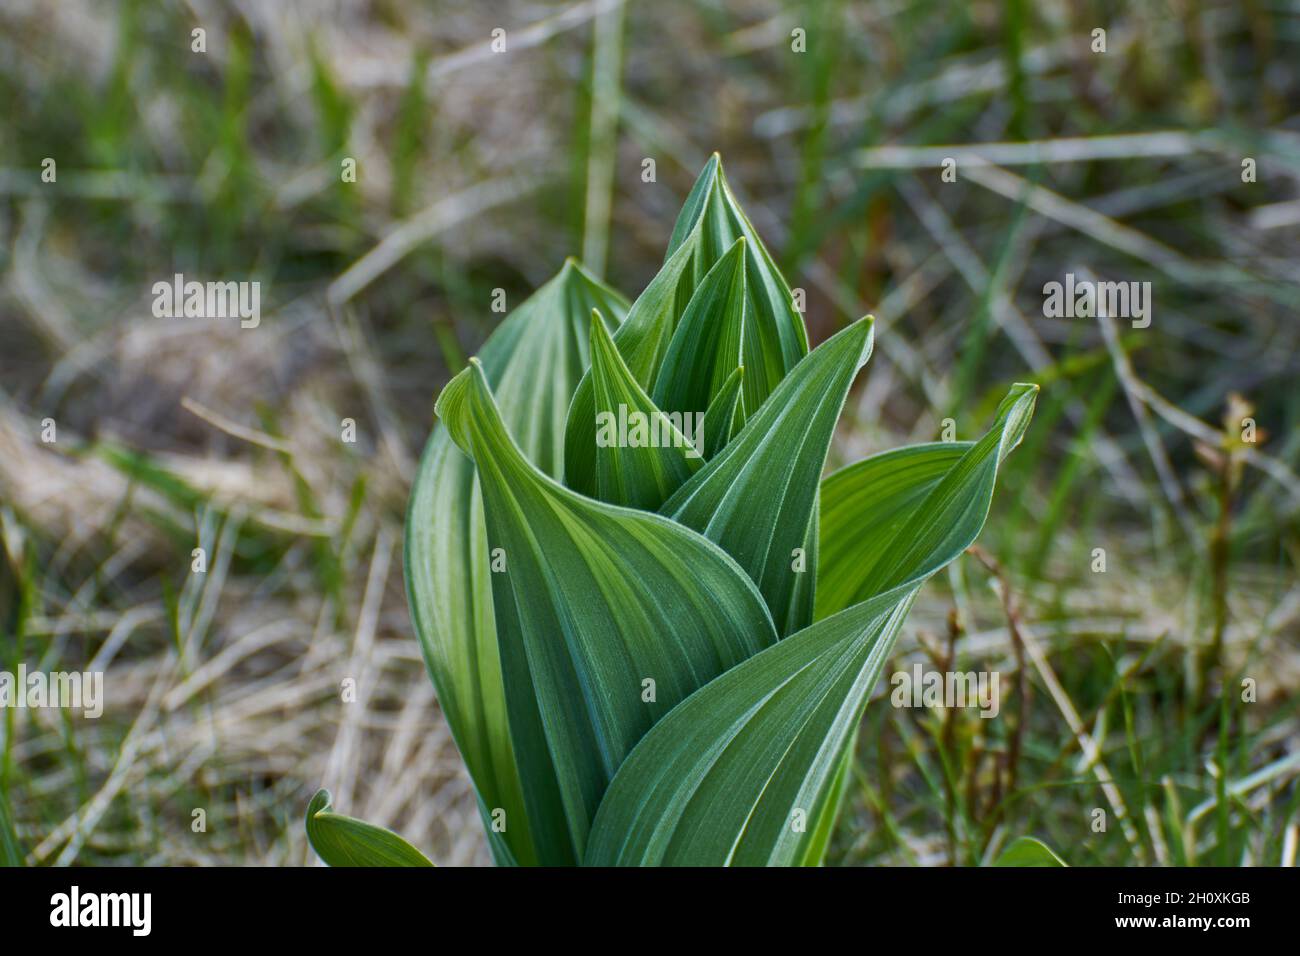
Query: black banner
x=230, y=907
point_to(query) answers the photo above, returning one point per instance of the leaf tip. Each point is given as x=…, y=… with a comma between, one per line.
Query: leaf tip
x=600, y=337
x=1015, y=412
x=863, y=329
x=319, y=803
x=451, y=404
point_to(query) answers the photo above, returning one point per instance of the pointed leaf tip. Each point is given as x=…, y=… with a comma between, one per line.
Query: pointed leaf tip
x=1027, y=851
x=341, y=840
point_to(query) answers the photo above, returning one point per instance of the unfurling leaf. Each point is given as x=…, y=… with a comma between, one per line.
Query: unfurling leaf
x=777, y=458
x=643, y=473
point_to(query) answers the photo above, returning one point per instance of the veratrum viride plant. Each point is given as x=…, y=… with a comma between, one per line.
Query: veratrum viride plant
x=655, y=647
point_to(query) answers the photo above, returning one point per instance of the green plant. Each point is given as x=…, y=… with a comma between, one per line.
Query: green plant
x=657, y=651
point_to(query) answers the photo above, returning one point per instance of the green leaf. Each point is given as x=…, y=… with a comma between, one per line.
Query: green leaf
x=709, y=224
x=777, y=459
x=706, y=347
x=592, y=600
x=534, y=361
x=346, y=841
x=890, y=514
x=642, y=341
x=826, y=811
x=643, y=474
x=1026, y=851
x=719, y=780
x=708, y=228
x=724, y=416
x=744, y=771
x=862, y=508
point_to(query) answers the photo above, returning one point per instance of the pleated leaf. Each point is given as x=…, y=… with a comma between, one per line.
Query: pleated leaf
x=534, y=361
x=341, y=840
x=709, y=224
x=638, y=464
x=718, y=781
x=708, y=228
x=724, y=416
x=593, y=601
x=642, y=340
x=706, y=347
x=757, y=498
x=744, y=771
x=862, y=507
x=883, y=512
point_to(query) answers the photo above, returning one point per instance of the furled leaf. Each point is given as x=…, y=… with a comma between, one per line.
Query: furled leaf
x=346, y=841
x=777, y=459
x=1026, y=851
x=706, y=347
x=708, y=228
x=534, y=361
x=724, y=416
x=744, y=770
x=593, y=601
x=639, y=474
x=709, y=224
x=642, y=340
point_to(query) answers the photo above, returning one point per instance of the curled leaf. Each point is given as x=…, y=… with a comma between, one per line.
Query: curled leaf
x=346, y=841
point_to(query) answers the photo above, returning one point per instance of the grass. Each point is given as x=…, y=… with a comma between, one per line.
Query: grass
x=224, y=691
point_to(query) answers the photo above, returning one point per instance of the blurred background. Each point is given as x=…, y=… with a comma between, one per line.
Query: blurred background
x=1149, y=688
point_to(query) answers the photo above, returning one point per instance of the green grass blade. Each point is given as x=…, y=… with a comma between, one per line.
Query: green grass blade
x=11, y=851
